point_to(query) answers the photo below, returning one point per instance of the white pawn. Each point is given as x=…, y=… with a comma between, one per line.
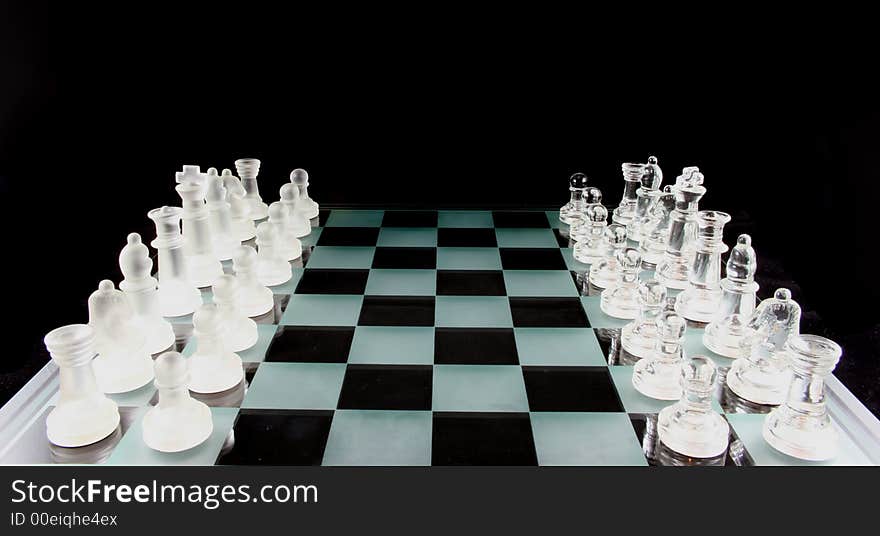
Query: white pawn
x=606, y=272
x=213, y=367
x=123, y=363
x=239, y=332
x=299, y=224
x=287, y=244
x=142, y=292
x=621, y=300
x=178, y=296
x=232, y=183
x=247, y=169
x=242, y=225
x=725, y=333
x=83, y=414
x=272, y=269
x=225, y=240
x=309, y=207
x=177, y=422
x=579, y=226
x=588, y=248
x=640, y=337
x=201, y=261
x=657, y=376
x=254, y=298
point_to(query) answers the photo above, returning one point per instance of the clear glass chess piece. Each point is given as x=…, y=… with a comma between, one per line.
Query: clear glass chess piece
x=606, y=272
x=213, y=367
x=272, y=269
x=242, y=224
x=621, y=300
x=142, y=291
x=639, y=337
x=588, y=249
x=178, y=296
x=658, y=375
x=801, y=427
x=655, y=228
x=308, y=206
x=577, y=183
x=626, y=211
x=238, y=331
x=646, y=195
x=763, y=375
x=579, y=224
x=673, y=269
x=83, y=415
x=123, y=363
x=700, y=300
x=725, y=333
x=201, y=261
x=178, y=422
x=690, y=426
x=225, y=240
x=191, y=174
x=299, y=224
x=287, y=244
x=232, y=183
x=254, y=298
x=248, y=169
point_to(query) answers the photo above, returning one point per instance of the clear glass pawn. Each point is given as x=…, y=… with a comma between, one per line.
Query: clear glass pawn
x=646, y=195
x=272, y=268
x=201, y=260
x=700, y=300
x=248, y=169
x=606, y=272
x=621, y=300
x=254, y=298
x=214, y=368
x=725, y=333
x=142, y=291
x=242, y=225
x=658, y=375
x=674, y=268
x=579, y=227
x=299, y=224
x=286, y=243
x=762, y=375
x=626, y=211
x=640, y=337
x=588, y=249
x=178, y=296
x=307, y=205
x=690, y=426
x=655, y=228
x=801, y=426
x=239, y=332
x=577, y=183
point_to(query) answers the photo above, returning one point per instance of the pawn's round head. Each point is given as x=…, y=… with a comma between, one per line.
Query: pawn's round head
x=225, y=289
x=698, y=374
x=207, y=318
x=278, y=212
x=244, y=258
x=289, y=192
x=596, y=213
x=212, y=171
x=578, y=180
x=671, y=326
x=782, y=294
x=615, y=234
x=226, y=173
x=652, y=293
x=593, y=195
x=299, y=177
x=172, y=370
x=652, y=160
x=629, y=259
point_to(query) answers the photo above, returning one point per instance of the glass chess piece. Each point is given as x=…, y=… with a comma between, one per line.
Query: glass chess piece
x=621, y=300
x=238, y=331
x=801, y=427
x=307, y=205
x=700, y=300
x=299, y=224
x=588, y=249
x=646, y=195
x=248, y=169
x=142, y=291
x=577, y=183
x=272, y=269
x=690, y=426
x=242, y=224
x=626, y=211
x=725, y=332
x=178, y=296
x=254, y=298
x=762, y=375
x=658, y=375
x=83, y=415
x=213, y=367
x=606, y=272
x=201, y=261
x=232, y=184
x=673, y=269
x=225, y=240
x=287, y=244
x=655, y=228
x=579, y=226
x=177, y=422
x=639, y=338
x=123, y=363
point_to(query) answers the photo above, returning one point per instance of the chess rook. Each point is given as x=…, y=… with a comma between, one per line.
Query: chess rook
x=254, y=298
x=577, y=183
x=287, y=244
x=606, y=272
x=673, y=269
x=299, y=224
x=639, y=338
x=701, y=298
x=309, y=207
x=621, y=300
x=247, y=169
x=725, y=333
x=178, y=296
x=142, y=291
x=646, y=195
x=658, y=375
x=201, y=261
x=214, y=368
x=225, y=240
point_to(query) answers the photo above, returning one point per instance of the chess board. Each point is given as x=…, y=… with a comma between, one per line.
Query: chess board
x=430, y=338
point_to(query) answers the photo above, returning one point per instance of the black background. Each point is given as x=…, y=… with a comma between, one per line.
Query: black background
x=98, y=109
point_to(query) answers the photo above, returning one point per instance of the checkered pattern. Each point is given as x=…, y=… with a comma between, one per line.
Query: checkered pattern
x=437, y=338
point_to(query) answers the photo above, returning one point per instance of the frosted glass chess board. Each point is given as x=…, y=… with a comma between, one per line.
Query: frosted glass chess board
x=430, y=338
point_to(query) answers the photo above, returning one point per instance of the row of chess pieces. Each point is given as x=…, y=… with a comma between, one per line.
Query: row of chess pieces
x=663, y=231
x=113, y=353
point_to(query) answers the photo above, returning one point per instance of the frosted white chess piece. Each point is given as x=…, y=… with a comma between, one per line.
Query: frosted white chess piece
x=589, y=248
x=762, y=375
x=300, y=178
x=201, y=261
x=238, y=331
x=655, y=228
x=142, y=292
x=232, y=183
x=225, y=240
x=673, y=269
x=577, y=183
x=621, y=300
x=213, y=367
x=272, y=269
x=242, y=224
x=123, y=363
x=659, y=375
x=640, y=336
x=801, y=427
x=83, y=414
x=646, y=195
x=606, y=272
x=299, y=224
x=191, y=174
x=178, y=296
x=247, y=169
x=626, y=211
x=579, y=226
x=725, y=333
x=701, y=298
x=177, y=422
x=254, y=298
x=286, y=243
x=690, y=426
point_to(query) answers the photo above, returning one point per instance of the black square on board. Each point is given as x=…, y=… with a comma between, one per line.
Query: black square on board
x=348, y=236
x=475, y=346
x=409, y=218
x=570, y=389
x=408, y=258
x=332, y=281
x=470, y=283
x=460, y=237
x=532, y=259
x=397, y=311
x=482, y=439
x=278, y=437
x=548, y=313
x=310, y=344
x=387, y=387
x=520, y=219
